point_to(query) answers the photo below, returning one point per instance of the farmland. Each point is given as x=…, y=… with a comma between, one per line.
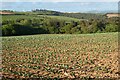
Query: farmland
x=60, y=56
x=52, y=22
x=15, y=17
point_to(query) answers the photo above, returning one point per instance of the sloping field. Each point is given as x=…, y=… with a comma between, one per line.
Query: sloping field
x=15, y=17
x=61, y=56
x=62, y=18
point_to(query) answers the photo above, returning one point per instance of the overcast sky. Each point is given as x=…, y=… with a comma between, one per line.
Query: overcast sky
x=59, y=0
x=60, y=6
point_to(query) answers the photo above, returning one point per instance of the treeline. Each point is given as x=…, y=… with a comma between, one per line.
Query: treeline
x=73, y=15
x=57, y=13
x=57, y=26
x=6, y=11
x=46, y=12
x=84, y=15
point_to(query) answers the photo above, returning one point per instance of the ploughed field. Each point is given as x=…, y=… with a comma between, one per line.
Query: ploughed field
x=60, y=56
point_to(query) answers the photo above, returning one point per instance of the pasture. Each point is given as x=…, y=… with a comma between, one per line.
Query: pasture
x=15, y=17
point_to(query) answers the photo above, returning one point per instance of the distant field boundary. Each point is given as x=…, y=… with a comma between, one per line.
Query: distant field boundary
x=6, y=12
x=109, y=15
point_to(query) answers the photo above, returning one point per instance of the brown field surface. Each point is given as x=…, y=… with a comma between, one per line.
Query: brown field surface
x=61, y=56
x=6, y=12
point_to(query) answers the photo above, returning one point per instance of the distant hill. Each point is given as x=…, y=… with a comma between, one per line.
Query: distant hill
x=73, y=15
x=57, y=13
x=46, y=12
x=103, y=12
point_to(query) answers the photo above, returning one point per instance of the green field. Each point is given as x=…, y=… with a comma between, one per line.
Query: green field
x=60, y=56
x=63, y=18
x=15, y=17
